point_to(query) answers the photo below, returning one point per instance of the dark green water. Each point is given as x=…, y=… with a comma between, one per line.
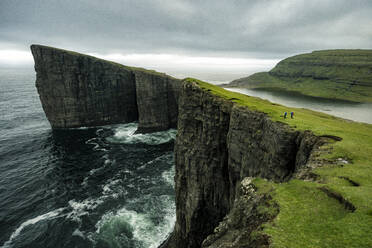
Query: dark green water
x=96, y=187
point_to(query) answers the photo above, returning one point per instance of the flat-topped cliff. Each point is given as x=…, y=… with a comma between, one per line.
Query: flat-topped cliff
x=219, y=144
x=246, y=177
x=337, y=74
x=79, y=90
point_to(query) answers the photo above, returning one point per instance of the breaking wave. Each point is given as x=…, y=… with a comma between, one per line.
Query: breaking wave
x=130, y=228
x=116, y=187
x=47, y=216
x=125, y=134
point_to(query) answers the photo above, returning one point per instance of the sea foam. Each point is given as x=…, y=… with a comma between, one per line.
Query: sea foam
x=47, y=216
x=125, y=134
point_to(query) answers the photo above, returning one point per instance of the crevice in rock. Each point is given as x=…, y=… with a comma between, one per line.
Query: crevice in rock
x=347, y=205
x=293, y=166
x=333, y=137
x=353, y=183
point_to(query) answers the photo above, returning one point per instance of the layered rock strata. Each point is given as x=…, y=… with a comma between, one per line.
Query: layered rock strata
x=218, y=145
x=79, y=90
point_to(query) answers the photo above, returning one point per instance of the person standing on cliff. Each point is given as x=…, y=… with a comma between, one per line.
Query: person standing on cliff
x=292, y=114
x=285, y=115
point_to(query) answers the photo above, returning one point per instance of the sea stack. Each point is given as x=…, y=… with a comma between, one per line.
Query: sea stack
x=78, y=90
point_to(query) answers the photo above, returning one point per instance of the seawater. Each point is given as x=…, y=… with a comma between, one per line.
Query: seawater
x=86, y=187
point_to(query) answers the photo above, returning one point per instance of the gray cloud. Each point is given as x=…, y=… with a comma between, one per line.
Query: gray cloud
x=260, y=28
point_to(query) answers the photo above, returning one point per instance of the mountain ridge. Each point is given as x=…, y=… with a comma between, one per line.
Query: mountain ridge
x=335, y=74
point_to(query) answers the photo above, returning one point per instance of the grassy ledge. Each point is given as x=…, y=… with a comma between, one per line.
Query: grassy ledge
x=308, y=217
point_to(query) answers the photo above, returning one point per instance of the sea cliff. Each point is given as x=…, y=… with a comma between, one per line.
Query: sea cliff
x=219, y=144
x=79, y=90
x=247, y=177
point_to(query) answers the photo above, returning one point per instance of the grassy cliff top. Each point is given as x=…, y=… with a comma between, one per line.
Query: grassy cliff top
x=308, y=217
x=76, y=54
x=335, y=74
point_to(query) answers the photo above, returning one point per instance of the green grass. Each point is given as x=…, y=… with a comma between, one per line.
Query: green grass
x=307, y=86
x=308, y=217
x=334, y=74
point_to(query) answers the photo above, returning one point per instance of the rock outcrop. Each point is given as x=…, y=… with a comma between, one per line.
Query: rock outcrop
x=218, y=145
x=249, y=212
x=79, y=90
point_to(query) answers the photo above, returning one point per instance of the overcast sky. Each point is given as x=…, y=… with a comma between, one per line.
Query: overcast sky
x=222, y=40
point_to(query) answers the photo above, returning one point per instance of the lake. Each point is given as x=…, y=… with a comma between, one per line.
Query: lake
x=361, y=112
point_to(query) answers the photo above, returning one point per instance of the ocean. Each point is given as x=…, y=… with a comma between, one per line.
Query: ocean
x=86, y=187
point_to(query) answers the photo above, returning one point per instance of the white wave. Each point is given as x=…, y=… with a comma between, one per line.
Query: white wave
x=92, y=141
x=47, y=216
x=99, y=131
x=93, y=171
x=108, y=161
x=95, y=142
x=141, y=225
x=168, y=157
x=113, y=188
x=125, y=134
x=82, y=208
x=85, y=182
x=78, y=233
x=83, y=128
x=168, y=176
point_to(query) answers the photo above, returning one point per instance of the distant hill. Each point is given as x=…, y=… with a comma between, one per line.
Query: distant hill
x=335, y=74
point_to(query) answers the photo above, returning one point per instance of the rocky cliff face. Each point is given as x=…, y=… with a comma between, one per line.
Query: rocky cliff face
x=156, y=101
x=219, y=145
x=79, y=90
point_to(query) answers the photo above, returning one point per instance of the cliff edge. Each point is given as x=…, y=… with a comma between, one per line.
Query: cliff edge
x=218, y=145
x=79, y=90
x=246, y=177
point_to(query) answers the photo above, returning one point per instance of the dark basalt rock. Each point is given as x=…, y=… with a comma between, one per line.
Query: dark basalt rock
x=218, y=145
x=156, y=101
x=79, y=90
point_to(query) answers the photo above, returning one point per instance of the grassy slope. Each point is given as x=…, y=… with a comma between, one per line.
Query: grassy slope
x=339, y=74
x=308, y=217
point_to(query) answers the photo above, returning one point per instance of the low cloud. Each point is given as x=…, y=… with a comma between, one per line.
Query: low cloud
x=212, y=69
x=259, y=29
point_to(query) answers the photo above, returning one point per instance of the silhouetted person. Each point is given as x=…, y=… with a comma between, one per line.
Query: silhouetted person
x=285, y=115
x=292, y=114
